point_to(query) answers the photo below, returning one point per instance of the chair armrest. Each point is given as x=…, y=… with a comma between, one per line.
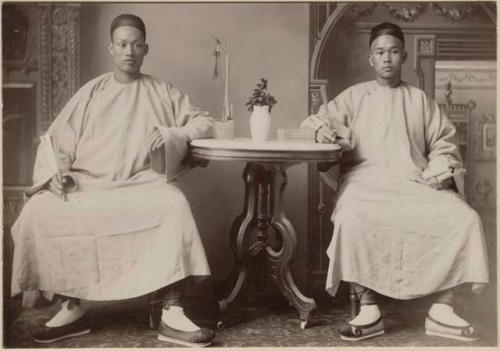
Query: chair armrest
x=325, y=166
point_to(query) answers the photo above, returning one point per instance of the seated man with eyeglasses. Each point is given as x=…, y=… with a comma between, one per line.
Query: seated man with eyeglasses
x=105, y=226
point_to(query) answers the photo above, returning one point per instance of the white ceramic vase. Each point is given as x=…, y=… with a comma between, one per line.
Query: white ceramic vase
x=260, y=123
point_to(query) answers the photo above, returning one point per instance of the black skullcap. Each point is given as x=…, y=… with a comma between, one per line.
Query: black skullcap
x=387, y=28
x=128, y=20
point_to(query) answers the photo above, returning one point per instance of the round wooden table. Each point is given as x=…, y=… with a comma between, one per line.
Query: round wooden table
x=265, y=179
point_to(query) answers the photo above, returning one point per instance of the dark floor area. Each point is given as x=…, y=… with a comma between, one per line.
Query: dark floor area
x=265, y=322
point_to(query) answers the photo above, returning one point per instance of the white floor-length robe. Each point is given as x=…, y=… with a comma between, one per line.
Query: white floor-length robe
x=126, y=231
x=394, y=232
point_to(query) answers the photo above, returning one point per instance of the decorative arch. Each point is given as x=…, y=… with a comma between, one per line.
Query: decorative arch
x=408, y=15
x=330, y=23
x=429, y=44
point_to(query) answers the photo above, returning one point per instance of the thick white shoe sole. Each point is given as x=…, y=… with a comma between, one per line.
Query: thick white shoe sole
x=83, y=332
x=449, y=336
x=362, y=337
x=183, y=342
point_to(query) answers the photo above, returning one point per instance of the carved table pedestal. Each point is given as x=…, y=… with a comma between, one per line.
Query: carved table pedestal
x=257, y=257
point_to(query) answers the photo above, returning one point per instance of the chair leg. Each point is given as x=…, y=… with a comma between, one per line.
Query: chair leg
x=354, y=301
x=152, y=310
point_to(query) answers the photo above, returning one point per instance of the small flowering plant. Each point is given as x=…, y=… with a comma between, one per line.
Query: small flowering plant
x=261, y=97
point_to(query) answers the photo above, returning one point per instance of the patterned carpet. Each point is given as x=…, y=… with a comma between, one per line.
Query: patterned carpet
x=259, y=323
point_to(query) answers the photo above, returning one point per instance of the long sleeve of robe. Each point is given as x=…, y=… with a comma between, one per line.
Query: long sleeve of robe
x=126, y=231
x=394, y=232
x=92, y=148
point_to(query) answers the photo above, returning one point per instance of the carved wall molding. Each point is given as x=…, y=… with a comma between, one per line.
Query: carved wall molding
x=440, y=29
x=424, y=62
x=425, y=45
x=484, y=138
x=361, y=9
x=407, y=14
x=466, y=79
x=45, y=69
x=490, y=8
x=74, y=48
x=458, y=108
x=483, y=193
x=460, y=114
x=455, y=12
x=315, y=99
x=410, y=12
x=59, y=68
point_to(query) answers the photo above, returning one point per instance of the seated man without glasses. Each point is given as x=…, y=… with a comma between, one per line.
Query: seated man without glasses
x=399, y=228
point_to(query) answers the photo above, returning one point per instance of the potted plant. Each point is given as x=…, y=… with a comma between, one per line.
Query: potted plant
x=260, y=104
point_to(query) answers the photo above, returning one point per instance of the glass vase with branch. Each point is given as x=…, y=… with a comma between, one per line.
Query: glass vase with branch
x=224, y=127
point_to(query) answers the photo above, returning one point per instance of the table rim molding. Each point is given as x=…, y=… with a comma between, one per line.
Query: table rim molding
x=271, y=151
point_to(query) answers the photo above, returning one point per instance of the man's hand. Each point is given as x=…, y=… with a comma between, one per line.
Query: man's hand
x=155, y=140
x=325, y=135
x=60, y=186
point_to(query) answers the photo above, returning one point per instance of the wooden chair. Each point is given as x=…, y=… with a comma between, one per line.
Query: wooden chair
x=326, y=179
x=154, y=310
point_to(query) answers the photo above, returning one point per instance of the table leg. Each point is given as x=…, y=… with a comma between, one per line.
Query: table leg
x=264, y=195
x=280, y=260
x=242, y=225
x=257, y=250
